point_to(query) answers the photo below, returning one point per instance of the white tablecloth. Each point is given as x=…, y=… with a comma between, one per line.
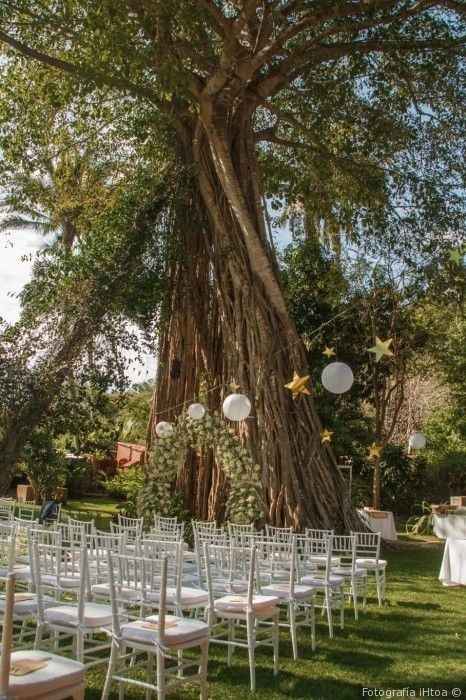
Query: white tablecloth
x=453, y=569
x=450, y=526
x=386, y=526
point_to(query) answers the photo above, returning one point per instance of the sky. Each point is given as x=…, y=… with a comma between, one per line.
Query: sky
x=16, y=257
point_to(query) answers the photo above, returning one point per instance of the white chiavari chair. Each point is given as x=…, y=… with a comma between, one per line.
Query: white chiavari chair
x=368, y=558
x=179, y=596
x=7, y=509
x=55, y=678
x=78, y=620
x=159, y=637
x=324, y=581
x=297, y=601
x=258, y=613
x=344, y=547
x=281, y=534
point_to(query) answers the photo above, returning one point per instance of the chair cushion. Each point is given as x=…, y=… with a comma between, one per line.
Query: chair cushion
x=103, y=589
x=71, y=582
x=371, y=563
x=59, y=673
x=282, y=590
x=27, y=606
x=179, y=630
x=347, y=573
x=22, y=572
x=239, y=603
x=95, y=615
x=316, y=582
x=189, y=596
x=322, y=559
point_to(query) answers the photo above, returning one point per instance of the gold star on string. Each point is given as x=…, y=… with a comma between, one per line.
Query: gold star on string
x=381, y=348
x=326, y=436
x=456, y=255
x=374, y=451
x=329, y=352
x=234, y=387
x=298, y=385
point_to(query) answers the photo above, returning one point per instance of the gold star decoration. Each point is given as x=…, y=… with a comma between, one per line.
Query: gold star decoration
x=326, y=436
x=381, y=348
x=298, y=385
x=329, y=352
x=234, y=386
x=375, y=451
x=456, y=255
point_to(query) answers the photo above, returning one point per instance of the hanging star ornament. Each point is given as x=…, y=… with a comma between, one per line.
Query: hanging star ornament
x=326, y=436
x=298, y=385
x=329, y=352
x=375, y=451
x=234, y=387
x=381, y=348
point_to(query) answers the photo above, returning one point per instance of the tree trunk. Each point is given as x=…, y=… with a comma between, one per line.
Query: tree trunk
x=376, y=486
x=259, y=343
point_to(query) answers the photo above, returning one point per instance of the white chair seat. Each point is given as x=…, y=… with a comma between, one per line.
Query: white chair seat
x=28, y=606
x=322, y=559
x=22, y=573
x=95, y=615
x=59, y=673
x=70, y=582
x=282, y=590
x=234, y=603
x=371, y=563
x=178, y=630
x=347, y=573
x=188, y=596
x=316, y=582
x=103, y=589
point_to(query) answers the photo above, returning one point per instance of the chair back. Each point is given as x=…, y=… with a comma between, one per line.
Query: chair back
x=281, y=534
x=7, y=509
x=344, y=547
x=7, y=635
x=368, y=545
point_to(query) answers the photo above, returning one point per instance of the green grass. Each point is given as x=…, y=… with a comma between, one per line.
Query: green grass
x=99, y=508
x=417, y=640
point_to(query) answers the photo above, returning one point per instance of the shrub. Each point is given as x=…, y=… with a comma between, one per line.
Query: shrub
x=44, y=465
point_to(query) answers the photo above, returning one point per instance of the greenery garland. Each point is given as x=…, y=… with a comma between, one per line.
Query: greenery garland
x=244, y=503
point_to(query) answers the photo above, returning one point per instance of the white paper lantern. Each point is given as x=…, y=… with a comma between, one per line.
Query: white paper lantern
x=164, y=429
x=236, y=407
x=196, y=411
x=337, y=377
x=417, y=441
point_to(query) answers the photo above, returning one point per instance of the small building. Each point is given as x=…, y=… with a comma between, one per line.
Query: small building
x=129, y=454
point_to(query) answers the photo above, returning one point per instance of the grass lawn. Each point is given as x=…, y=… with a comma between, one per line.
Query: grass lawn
x=418, y=640
x=99, y=508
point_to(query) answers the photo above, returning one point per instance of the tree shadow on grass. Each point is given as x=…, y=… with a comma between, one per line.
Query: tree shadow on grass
x=418, y=606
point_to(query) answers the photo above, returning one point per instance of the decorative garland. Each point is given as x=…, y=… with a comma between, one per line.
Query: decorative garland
x=244, y=503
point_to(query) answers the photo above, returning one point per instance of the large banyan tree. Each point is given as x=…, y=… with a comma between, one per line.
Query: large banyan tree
x=228, y=78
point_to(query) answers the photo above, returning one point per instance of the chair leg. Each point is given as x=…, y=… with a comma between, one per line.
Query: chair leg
x=79, y=693
x=294, y=636
x=38, y=637
x=230, y=641
x=150, y=671
x=204, y=688
x=114, y=655
x=180, y=663
x=342, y=611
x=161, y=694
x=312, y=612
x=251, y=634
x=378, y=583
x=328, y=607
x=276, y=643
x=354, y=590
x=80, y=646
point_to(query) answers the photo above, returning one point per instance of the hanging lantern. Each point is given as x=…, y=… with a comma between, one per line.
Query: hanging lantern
x=196, y=411
x=164, y=429
x=417, y=441
x=236, y=407
x=337, y=377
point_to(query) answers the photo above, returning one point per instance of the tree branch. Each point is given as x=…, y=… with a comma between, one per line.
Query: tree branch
x=83, y=72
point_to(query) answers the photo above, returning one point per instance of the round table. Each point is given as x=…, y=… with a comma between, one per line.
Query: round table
x=383, y=523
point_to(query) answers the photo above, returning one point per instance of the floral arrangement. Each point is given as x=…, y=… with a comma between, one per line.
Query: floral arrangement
x=244, y=503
